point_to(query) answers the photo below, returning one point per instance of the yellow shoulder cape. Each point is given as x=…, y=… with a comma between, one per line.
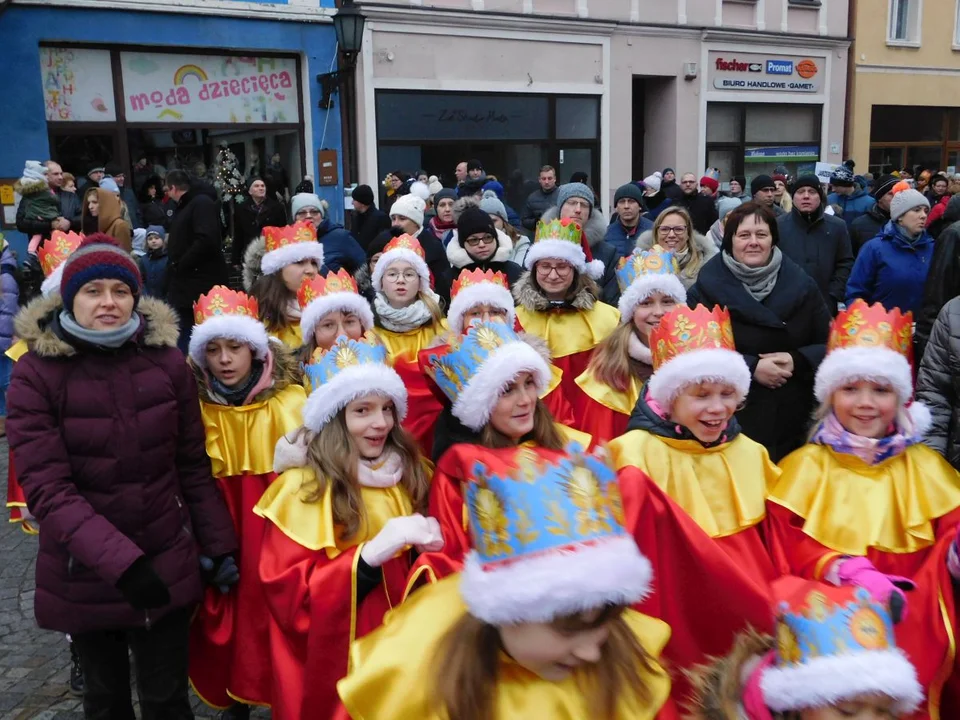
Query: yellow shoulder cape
x=621, y=402
x=568, y=333
x=850, y=506
x=393, y=668
x=723, y=488
x=404, y=347
x=17, y=350
x=289, y=335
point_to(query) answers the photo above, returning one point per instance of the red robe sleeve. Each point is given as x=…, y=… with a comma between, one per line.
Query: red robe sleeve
x=600, y=422
x=558, y=405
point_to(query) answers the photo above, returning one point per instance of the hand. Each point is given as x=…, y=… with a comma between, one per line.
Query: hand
x=64, y=224
x=142, y=587
x=435, y=544
x=783, y=359
x=222, y=572
x=888, y=589
x=398, y=534
x=770, y=374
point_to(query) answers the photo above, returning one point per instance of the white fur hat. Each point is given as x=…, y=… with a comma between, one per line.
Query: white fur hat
x=407, y=248
x=474, y=287
x=323, y=295
x=564, y=240
x=411, y=207
x=227, y=314
x=288, y=245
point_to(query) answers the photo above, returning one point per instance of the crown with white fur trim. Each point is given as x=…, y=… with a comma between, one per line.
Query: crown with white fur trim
x=226, y=313
x=336, y=291
x=564, y=240
x=477, y=367
x=644, y=273
x=548, y=538
x=479, y=287
x=693, y=346
x=833, y=644
x=404, y=247
x=347, y=371
x=290, y=244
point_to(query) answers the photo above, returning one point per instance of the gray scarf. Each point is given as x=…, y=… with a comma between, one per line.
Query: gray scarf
x=402, y=319
x=103, y=338
x=759, y=281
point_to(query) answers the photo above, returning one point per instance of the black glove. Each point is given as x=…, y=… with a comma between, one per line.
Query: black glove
x=222, y=572
x=142, y=587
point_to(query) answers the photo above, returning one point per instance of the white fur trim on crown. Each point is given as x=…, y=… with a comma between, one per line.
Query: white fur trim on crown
x=349, y=384
x=235, y=327
x=829, y=679
x=295, y=252
x=714, y=364
x=342, y=301
x=643, y=287
x=388, y=258
x=51, y=284
x=921, y=417
x=480, y=394
x=595, y=269
x=541, y=588
x=557, y=250
x=877, y=364
x=484, y=293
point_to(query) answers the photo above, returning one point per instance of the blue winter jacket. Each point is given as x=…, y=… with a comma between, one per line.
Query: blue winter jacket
x=854, y=206
x=153, y=268
x=340, y=248
x=9, y=295
x=625, y=244
x=891, y=270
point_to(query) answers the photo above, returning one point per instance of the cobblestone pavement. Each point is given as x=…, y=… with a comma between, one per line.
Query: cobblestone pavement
x=34, y=663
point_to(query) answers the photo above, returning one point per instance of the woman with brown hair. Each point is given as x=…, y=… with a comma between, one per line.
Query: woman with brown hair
x=102, y=212
x=335, y=551
x=673, y=232
x=274, y=267
x=623, y=362
x=538, y=624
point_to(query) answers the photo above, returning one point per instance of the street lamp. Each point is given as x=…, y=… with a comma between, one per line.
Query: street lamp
x=348, y=24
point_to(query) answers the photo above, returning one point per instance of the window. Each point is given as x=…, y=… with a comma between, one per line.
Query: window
x=956, y=30
x=904, y=25
x=907, y=136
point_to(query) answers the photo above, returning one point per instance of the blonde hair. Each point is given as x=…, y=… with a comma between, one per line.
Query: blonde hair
x=826, y=407
x=696, y=260
x=611, y=363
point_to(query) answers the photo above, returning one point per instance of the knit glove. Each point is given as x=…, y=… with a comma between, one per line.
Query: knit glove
x=142, y=587
x=887, y=589
x=417, y=531
x=221, y=572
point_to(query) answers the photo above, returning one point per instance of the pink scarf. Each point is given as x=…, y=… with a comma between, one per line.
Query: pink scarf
x=384, y=472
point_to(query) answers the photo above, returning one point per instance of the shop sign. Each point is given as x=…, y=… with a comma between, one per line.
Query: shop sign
x=164, y=87
x=77, y=85
x=753, y=71
x=788, y=153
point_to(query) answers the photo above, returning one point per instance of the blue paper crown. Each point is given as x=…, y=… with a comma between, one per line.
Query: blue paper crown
x=455, y=368
x=645, y=262
x=345, y=353
x=825, y=626
x=543, y=508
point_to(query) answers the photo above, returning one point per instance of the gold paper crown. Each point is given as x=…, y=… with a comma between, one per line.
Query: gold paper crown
x=313, y=288
x=469, y=278
x=684, y=330
x=406, y=242
x=862, y=325
x=57, y=249
x=567, y=229
x=278, y=237
x=222, y=301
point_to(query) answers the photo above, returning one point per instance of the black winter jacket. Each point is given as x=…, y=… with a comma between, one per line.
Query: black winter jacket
x=366, y=226
x=820, y=245
x=249, y=220
x=702, y=209
x=943, y=280
x=794, y=319
x=867, y=227
x=537, y=203
x=195, y=249
x=938, y=383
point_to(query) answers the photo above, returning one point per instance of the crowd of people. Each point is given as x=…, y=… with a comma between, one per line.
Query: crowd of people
x=474, y=461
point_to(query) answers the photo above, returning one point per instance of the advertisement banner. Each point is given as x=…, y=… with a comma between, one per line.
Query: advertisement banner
x=77, y=85
x=793, y=153
x=198, y=89
x=755, y=71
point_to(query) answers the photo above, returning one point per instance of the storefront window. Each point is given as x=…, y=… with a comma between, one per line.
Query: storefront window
x=918, y=136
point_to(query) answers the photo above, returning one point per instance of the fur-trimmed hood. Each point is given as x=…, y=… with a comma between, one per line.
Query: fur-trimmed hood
x=252, y=260
x=718, y=685
x=286, y=372
x=33, y=187
x=161, y=326
x=459, y=257
x=595, y=228
x=527, y=295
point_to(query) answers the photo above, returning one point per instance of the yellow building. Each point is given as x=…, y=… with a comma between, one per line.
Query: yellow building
x=904, y=104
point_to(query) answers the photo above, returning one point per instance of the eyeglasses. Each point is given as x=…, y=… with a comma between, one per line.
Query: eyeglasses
x=394, y=275
x=485, y=239
x=561, y=270
x=676, y=230
x=308, y=213
x=577, y=203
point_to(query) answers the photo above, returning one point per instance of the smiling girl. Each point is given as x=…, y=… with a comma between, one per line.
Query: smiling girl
x=331, y=306
x=339, y=528
x=865, y=504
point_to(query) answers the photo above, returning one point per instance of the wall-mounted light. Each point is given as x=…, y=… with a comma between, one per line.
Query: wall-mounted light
x=348, y=24
x=690, y=71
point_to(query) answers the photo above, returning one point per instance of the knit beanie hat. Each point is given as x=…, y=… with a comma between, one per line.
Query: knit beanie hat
x=630, y=191
x=905, y=199
x=421, y=190
x=726, y=204
x=491, y=205
x=475, y=220
x=781, y=173
x=470, y=187
x=665, y=171
x=883, y=184
x=156, y=230
x=108, y=183
x=495, y=187
x=575, y=190
x=34, y=173
x=711, y=179
x=98, y=258
x=760, y=182
x=652, y=182
x=363, y=194
x=444, y=194
x=740, y=179
x=434, y=185
x=411, y=207
x=307, y=200
x=843, y=177
x=810, y=181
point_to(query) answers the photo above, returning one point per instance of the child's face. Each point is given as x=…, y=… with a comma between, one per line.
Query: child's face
x=552, y=653
x=154, y=242
x=862, y=707
x=705, y=409
x=369, y=421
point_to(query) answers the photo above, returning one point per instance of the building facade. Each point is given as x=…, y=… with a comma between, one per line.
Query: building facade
x=614, y=88
x=905, y=88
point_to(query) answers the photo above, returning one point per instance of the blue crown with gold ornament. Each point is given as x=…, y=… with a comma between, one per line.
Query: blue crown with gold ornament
x=350, y=369
x=548, y=539
x=477, y=367
x=644, y=273
x=833, y=644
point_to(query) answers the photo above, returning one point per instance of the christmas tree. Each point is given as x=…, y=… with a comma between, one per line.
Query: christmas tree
x=230, y=186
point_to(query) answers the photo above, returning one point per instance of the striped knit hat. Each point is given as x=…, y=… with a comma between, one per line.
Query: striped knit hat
x=98, y=258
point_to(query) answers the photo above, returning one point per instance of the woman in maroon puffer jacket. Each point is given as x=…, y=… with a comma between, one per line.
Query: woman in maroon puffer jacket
x=106, y=433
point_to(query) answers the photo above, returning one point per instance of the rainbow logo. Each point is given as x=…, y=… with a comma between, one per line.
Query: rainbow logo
x=189, y=71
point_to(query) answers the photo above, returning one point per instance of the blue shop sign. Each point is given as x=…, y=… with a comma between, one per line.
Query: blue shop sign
x=794, y=153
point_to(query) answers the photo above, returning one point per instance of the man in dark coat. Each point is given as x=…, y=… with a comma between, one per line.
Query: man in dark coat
x=195, y=249
x=868, y=226
x=629, y=223
x=943, y=280
x=817, y=242
x=540, y=200
x=368, y=220
x=252, y=216
x=702, y=209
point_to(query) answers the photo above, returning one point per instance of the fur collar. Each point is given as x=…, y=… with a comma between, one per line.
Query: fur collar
x=718, y=687
x=286, y=372
x=595, y=228
x=252, y=258
x=161, y=326
x=706, y=246
x=459, y=258
x=527, y=295
x=33, y=187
